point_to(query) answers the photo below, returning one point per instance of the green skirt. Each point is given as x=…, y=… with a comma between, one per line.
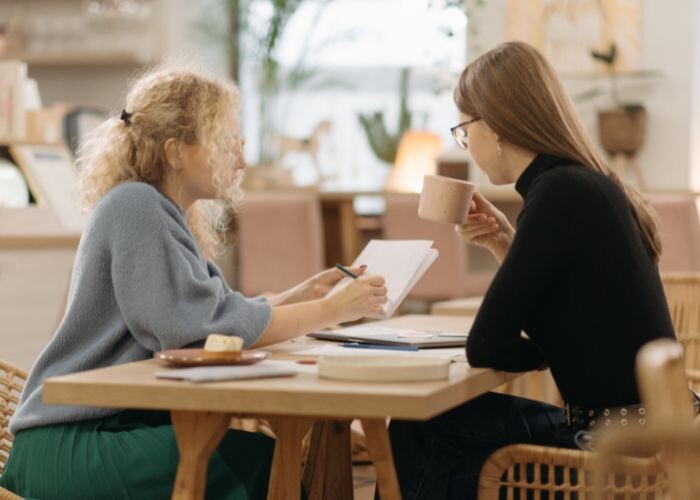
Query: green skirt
x=131, y=455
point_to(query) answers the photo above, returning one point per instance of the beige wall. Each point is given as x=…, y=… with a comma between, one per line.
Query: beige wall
x=32, y=297
x=670, y=46
x=695, y=108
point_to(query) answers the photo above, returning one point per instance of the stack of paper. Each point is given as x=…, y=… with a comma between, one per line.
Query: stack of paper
x=400, y=262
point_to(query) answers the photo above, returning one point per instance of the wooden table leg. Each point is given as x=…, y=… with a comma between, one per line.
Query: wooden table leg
x=328, y=468
x=379, y=449
x=198, y=434
x=285, y=476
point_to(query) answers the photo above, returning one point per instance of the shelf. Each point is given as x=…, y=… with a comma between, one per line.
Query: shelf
x=593, y=75
x=8, y=141
x=77, y=58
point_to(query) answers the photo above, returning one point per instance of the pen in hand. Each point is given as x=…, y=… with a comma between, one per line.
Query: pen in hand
x=346, y=271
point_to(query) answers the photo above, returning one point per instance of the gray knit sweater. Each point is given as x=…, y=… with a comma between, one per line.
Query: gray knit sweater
x=139, y=285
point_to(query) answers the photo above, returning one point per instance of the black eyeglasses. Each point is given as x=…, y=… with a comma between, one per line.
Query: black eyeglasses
x=460, y=133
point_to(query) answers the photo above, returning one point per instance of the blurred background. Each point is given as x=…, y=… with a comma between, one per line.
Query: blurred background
x=346, y=104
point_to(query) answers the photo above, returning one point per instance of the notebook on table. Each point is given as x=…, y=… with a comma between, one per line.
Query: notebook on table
x=368, y=334
x=401, y=262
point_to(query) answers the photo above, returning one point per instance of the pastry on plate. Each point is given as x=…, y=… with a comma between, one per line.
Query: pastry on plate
x=226, y=347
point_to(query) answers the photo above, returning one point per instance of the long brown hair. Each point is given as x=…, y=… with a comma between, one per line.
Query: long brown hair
x=517, y=93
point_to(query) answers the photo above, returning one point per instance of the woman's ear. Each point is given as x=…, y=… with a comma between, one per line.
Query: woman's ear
x=496, y=138
x=497, y=141
x=172, y=153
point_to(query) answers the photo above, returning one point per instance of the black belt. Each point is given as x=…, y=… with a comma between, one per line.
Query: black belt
x=583, y=418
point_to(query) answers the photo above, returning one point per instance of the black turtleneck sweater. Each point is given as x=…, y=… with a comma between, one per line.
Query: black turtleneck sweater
x=579, y=282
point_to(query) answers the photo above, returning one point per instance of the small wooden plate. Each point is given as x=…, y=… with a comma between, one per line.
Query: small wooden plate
x=383, y=368
x=195, y=357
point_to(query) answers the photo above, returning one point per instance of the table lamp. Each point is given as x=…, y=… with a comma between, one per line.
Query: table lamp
x=415, y=158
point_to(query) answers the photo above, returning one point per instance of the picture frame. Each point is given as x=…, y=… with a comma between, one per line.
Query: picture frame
x=52, y=179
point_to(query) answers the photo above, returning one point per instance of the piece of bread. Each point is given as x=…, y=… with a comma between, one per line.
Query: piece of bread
x=223, y=347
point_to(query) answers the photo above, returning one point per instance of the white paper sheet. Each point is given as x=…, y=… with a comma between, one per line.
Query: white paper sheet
x=293, y=365
x=265, y=369
x=453, y=353
x=400, y=262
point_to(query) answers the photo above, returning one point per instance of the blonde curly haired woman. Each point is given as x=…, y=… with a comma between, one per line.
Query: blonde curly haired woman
x=143, y=281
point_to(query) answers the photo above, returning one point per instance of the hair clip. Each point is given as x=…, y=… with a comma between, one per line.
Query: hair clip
x=126, y=117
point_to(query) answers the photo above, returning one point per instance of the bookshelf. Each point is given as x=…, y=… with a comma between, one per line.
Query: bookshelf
x=82, y=33
x=78, y=59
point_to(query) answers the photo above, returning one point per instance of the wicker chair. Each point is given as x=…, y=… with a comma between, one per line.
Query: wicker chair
x=683, y=297
x=528, y=469
x=524, y=471
x=12, y=381
x=663, y=386
x=682, y=455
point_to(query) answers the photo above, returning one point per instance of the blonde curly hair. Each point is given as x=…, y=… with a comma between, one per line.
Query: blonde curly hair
x=168, y=102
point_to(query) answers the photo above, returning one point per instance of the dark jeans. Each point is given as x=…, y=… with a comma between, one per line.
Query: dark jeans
x=442, y=458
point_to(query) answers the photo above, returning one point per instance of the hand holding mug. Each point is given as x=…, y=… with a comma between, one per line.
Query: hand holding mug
x=476, y=220
x=486, y=226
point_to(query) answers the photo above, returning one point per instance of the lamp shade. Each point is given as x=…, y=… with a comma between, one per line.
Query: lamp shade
x=415, y=158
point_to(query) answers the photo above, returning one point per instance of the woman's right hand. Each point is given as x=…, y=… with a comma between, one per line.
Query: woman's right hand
x=486, y=226
x=362, y=297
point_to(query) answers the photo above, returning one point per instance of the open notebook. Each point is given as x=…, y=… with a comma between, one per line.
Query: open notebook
x=401, y=262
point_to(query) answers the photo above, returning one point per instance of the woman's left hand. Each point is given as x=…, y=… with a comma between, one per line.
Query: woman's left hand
x=315, y=287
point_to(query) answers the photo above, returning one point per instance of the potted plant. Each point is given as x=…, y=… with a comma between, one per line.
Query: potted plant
x=621, y=128
x=384, y=144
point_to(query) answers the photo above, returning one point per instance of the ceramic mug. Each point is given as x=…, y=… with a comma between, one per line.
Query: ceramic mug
x=444, y=199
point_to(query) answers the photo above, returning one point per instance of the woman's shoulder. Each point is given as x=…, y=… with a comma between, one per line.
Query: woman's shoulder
x=136, y=204
x=134, y=197
x=129, y=194
x=572, y=181
x=571, y=194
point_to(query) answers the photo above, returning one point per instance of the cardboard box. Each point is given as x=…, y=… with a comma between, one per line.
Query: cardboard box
x=44, y=126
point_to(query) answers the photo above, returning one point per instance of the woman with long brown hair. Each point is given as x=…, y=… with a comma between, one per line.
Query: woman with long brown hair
x=579, y=276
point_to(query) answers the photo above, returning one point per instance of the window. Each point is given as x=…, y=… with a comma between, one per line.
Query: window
x=340, y=58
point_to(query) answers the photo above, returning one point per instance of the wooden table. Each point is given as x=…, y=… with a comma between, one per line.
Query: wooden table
x=201, y=414
x=457, y=307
